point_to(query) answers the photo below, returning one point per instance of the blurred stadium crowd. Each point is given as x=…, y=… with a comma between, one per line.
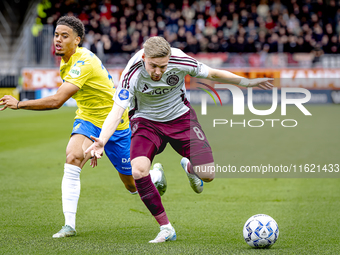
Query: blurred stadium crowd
x=206, y=26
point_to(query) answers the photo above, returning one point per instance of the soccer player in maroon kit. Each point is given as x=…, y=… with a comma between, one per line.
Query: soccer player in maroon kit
x=153, y=85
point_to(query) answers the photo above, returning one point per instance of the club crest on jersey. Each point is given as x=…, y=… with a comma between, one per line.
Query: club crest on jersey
x=134, y=128
x=123, y=94
x=75, y=72
x=172, y=80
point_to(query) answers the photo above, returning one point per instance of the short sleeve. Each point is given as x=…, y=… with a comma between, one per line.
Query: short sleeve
x=79, y=73
x=188, y=64
x=202, y=71
x=127, y=82
x=123, y=96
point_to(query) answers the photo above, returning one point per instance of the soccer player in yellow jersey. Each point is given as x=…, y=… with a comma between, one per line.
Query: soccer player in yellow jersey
x=89, y=83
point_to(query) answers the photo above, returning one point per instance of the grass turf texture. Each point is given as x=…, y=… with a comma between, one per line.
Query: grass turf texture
x=111, y=221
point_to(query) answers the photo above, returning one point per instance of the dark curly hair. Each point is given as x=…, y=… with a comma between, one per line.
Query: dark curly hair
x=74, y=23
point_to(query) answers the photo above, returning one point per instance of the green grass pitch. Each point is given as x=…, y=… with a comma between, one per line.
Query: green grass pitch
x=111, y=221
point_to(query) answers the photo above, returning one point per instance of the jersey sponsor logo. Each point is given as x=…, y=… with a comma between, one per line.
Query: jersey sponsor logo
x=160, y=91
x=172, y=80
x=125, y=160
x=123, y=94
x=75, y=72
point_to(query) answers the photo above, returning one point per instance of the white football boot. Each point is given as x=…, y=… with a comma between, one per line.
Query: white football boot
x=167, y=233
x=195, y=182
x=161, y=183
x=66, y=231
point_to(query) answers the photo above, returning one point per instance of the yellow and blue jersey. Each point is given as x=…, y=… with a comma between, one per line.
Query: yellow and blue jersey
x=96, y=89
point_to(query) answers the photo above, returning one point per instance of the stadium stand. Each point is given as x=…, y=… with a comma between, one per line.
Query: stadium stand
x=257, y=33
x=15, y=16
x=262, y=27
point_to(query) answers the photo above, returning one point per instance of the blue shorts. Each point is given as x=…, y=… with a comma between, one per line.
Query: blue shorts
x=117, y=149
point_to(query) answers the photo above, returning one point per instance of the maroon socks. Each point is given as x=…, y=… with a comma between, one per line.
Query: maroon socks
x=151, y=198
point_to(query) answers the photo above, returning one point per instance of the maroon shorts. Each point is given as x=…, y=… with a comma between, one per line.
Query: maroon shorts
x=184, y=134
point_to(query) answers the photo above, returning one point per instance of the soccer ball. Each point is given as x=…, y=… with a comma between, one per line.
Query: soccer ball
x=260, y=231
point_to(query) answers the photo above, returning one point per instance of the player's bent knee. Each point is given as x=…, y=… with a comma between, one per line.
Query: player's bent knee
x=73, y=159
x=139, y=171
x=137, y=174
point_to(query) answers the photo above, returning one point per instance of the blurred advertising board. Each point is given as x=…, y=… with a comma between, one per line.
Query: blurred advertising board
x=324, y=84
x=37, y=78
x=293, y=78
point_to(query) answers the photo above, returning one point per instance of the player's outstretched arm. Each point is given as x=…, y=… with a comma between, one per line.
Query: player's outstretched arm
x=228, y=77
x=109, y=127
x=55, y=101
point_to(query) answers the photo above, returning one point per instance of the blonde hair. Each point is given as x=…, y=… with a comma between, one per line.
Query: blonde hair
x=156, y=47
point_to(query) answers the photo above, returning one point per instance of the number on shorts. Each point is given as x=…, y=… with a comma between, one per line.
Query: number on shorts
x=198, y=133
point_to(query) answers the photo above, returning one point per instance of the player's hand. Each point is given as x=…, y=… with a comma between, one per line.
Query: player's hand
x=96, y=150
x=93, y=162
x=8, y=101
x=263, y=83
